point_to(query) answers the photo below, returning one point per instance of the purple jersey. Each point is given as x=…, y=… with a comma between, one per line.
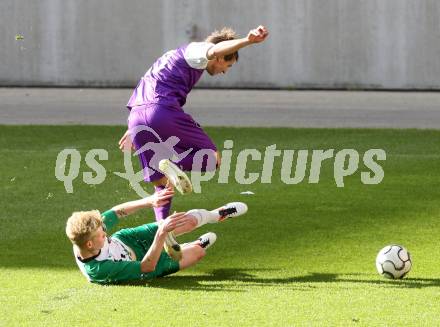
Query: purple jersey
x=167, y=82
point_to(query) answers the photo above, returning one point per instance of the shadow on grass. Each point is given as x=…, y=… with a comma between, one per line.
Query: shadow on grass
x=235, y=280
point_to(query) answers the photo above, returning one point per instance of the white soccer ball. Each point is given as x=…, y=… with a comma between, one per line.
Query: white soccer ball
x=393, y=261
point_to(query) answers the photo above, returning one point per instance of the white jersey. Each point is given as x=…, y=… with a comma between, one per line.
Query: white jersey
x=113, y=250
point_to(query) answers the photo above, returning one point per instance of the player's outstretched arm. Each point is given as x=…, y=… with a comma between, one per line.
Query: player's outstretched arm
x=172, y=222
x=224, y=48
x=158, y=199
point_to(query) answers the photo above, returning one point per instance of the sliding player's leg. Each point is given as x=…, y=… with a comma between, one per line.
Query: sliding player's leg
x=193, y=252
x=203, y=216
x=200, y=217
x=164, y=211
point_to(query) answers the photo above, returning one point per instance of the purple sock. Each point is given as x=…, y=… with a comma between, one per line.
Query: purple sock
x=164, y=211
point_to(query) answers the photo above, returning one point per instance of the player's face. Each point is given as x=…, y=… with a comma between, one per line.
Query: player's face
x=219, y=66
x=98, y=239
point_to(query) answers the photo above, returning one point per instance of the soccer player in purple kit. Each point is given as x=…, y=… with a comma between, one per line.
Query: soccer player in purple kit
x=157, y=102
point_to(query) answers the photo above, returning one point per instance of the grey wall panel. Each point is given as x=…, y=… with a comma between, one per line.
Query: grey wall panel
x=313, y=43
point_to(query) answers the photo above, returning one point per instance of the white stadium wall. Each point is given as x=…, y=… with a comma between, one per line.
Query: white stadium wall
x=354, y=44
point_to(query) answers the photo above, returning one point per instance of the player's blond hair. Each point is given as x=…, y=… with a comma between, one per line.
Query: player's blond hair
x=81, y=226
x=225, y=34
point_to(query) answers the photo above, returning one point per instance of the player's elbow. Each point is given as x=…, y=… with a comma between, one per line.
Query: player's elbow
x=147, y=267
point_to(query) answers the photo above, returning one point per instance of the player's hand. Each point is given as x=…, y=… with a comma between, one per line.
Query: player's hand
x=174, y=221
x=258, y=34
x=161, y=198
x=125, y=143
x=169, y=185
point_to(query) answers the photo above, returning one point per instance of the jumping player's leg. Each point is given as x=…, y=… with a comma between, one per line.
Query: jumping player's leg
x=157, y=125
x=194, y=151
x=164, y=211
x=175, y=176
x=145, y=129
x=192, y=161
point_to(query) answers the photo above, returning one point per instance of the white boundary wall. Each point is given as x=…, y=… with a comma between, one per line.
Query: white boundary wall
x=354, y=44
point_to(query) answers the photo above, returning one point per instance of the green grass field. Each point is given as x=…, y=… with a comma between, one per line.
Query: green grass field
x=303, y=255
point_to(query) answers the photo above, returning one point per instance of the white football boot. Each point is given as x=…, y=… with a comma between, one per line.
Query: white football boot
x=207, y=240
x=172, y=247
x=232, y=210
x=176, y=176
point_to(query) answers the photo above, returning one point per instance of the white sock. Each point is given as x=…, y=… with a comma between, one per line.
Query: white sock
x=204, y=216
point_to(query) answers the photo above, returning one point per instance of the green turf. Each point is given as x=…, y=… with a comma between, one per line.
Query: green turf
x=303, y=255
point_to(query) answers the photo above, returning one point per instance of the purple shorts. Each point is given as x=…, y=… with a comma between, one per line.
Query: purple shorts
x=160, y=132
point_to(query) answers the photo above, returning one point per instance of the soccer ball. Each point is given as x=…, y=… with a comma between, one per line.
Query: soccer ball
x=393, y=262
